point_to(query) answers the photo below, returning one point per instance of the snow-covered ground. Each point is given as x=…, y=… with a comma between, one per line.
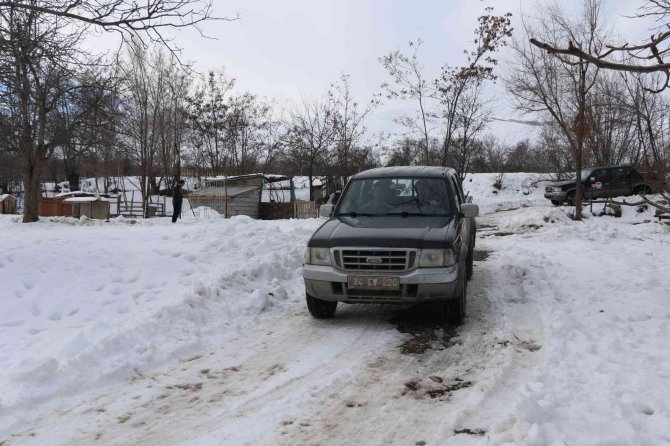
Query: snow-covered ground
x=144, y=332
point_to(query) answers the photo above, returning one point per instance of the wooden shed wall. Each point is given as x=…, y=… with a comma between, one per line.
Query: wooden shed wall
x=243, y=204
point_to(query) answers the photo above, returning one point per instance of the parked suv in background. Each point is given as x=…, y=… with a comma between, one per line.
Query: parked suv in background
x=600, y=182
x=396, y=235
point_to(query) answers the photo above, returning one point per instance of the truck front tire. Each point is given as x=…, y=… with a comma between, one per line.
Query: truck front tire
x=319, y=308
x=453, y=310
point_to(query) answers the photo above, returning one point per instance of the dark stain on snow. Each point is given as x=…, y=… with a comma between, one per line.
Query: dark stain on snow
x=123, y=418
x=477, y=432
x=481, y=255
x=434, y=388
x=193, y=387
x=426, y=329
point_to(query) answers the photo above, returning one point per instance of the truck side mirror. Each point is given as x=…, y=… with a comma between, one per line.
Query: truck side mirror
x=469, y=210
x=326, y=210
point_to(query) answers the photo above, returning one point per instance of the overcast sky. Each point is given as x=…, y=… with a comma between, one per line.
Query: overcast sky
x=293, y=48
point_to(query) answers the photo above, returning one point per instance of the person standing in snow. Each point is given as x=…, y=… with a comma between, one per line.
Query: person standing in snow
x=177, y=199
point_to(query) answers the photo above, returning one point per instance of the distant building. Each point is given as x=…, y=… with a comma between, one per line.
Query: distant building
x=8, y=204
x=240, y=195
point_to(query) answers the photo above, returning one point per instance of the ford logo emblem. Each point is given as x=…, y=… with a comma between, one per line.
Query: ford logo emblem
x=373, y=260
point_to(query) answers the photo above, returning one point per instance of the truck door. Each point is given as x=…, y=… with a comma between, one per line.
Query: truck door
x=619, y=181
x=598, y=184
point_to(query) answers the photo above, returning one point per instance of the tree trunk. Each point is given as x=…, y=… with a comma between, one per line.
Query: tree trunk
x=32, y=193
x=580, y=135
x=310, y=185
x=578, y=179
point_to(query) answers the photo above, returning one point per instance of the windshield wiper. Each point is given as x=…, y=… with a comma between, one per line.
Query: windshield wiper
x=415, y=214
x=354, y=214
x=403, y=214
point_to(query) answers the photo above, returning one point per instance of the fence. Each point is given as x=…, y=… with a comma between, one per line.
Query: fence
x=305, y=209
x=129, y=205
x=276, y=211
x=55, y=207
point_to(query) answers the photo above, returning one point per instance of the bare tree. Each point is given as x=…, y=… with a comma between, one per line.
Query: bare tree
x=138, y=21
x=145, y=78
x=471, y=116
x=541, y=83
x=172, y=121
x=491, y=34
x=35, y=75
x=209, y=108
x=647, y=57
x=40, y=53
x=410, y=83
x=349, y=119
x=311, y=134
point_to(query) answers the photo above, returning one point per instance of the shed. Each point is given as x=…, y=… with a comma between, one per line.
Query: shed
x=8, y=204
x=91, y=207
x=240, y=195
x=238, y=200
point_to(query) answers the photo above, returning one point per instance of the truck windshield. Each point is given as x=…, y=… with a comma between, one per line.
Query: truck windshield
x=396, y=196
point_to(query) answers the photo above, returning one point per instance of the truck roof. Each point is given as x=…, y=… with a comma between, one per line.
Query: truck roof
x=404, y=171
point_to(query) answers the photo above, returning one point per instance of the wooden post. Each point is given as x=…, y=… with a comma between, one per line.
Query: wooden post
x=225, y=193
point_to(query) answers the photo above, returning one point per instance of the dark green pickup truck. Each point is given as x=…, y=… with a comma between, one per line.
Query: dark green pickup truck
x=600, y=182
x=396, y=235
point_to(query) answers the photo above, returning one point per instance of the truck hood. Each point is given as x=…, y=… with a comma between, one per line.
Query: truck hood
x=386, y=232
x=568, y=184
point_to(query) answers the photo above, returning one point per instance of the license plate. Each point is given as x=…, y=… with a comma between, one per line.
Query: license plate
x=373, y=282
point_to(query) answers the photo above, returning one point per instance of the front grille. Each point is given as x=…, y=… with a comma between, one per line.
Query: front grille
x=375, y=260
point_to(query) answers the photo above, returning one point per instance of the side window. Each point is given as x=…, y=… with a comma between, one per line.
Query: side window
x=619, y=173
x=600, y=175
x=457, y=190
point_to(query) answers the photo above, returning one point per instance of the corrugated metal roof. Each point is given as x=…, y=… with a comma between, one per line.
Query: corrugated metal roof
x=221, y=191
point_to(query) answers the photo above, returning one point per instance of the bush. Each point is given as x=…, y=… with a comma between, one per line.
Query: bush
x=498, y=181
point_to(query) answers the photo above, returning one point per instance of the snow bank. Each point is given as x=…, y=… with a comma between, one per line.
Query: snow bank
x=517, y=189
x=86, y=303
x=600, y=288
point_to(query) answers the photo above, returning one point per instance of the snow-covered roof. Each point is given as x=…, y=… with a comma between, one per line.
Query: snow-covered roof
x=267, y=177
x=76, y=193
x=84, y=199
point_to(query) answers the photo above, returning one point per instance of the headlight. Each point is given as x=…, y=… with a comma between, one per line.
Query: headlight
x=317, y=256
x=434, y=258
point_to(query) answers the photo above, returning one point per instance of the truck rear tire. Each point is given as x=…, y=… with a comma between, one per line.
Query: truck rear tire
x=641, y=190
x=319, y=308
x=556, y=202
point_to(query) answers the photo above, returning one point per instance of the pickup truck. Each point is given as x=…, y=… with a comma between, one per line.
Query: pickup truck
x=600, y=182
x=396, y=235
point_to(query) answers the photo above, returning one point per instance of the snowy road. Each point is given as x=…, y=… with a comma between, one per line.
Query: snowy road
x=373, y=375
x=552, y=352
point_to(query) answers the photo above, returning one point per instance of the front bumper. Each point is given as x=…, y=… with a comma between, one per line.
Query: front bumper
x=556, y=196
x=419, y=285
